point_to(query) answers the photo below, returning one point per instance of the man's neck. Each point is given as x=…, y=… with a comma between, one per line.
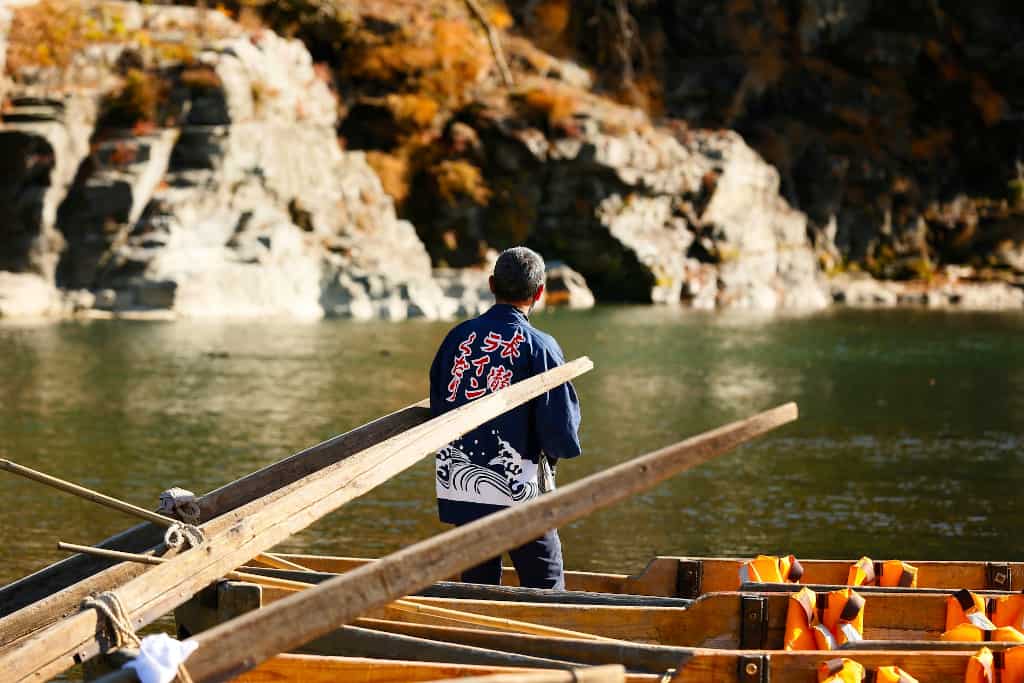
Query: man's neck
x=523, y=307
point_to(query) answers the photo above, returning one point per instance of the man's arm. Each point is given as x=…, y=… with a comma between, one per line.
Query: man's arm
x=557, y=413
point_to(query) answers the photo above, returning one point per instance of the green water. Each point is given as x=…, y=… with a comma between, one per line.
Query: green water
x=909, y=445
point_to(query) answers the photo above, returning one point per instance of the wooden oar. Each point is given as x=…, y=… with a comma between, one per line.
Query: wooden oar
x=269, y=581
x=236, y=537
x=229, y=649
x=116, y=504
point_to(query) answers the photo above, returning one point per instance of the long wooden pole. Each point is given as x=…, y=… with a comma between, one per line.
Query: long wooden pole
x=234, y=647
x=117, y=504
x=269, y=581
x=236, y=537
x=87, y=494
x=515, y=625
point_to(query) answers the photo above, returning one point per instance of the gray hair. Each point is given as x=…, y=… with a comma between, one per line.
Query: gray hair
x=518, y=273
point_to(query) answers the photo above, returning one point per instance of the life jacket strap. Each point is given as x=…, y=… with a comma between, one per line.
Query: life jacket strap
x=796, y=570
x=853, y=606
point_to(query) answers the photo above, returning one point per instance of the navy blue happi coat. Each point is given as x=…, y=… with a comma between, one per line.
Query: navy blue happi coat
x=495, y=465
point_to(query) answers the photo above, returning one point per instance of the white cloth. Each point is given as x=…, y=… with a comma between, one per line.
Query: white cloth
x=159, y=657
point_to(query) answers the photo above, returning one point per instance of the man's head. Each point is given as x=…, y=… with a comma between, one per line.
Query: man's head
x=518, y=277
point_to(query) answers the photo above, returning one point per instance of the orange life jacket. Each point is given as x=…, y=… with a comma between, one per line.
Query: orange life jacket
x=840, y=671
x=893, y=674
x=843, y=670
x=825, y=621
x=891, y=574
x=967, y=619
x=771, y=569
x=964, y=607
x=986, y=666
x=1007, y=610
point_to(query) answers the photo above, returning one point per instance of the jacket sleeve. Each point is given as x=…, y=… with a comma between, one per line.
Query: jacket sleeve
x=556, y=413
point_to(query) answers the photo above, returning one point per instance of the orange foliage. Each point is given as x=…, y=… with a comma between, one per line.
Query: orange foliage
x=201, y=78
x=500, y=18
x=554, y=104
x=458, y=179
x=553, y=15
x=393, y=172
x=46, y=34
x=389, y=62
x=441, y=65
x=413, y=111
x=460, y=54
x=138, y=99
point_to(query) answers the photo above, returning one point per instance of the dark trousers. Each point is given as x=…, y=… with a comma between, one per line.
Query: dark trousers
x=538, y=564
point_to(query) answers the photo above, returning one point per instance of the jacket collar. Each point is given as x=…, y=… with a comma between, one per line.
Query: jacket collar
x=507, y=312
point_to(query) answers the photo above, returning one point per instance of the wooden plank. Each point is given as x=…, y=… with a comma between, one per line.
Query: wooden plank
x=237, y=646
x=705, y=666
x=713, y=620
x=634, y=656
x=313, y=669
x=473, y=591
x=353, y=641
x=245, y=532
x=56, y=591
x=598, y=674
x=721, y=574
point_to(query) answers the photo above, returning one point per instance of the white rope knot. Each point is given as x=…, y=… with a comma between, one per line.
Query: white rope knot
x=180, y=535
x=120, y=626
x=181, y=503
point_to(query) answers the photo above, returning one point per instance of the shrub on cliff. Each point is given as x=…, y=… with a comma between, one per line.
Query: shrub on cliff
x=457, y=179
x=139, y=100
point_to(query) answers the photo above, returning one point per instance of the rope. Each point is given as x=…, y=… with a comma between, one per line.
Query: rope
x=181, y=503
x=180, y=535
x=120, y=626
x=109, y=605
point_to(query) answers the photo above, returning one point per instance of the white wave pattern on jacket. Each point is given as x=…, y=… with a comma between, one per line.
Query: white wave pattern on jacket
x=460, y=479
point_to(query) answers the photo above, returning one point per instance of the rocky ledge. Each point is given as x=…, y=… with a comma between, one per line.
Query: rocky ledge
x=176, y=162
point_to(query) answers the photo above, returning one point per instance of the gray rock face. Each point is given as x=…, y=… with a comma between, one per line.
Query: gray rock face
x=245, y=206
x=28, y=295
x=566, y=287
x=650, y=214
x=863, y=291
x=42, y=143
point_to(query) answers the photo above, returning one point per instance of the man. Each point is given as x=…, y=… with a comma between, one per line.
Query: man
x=498, y=464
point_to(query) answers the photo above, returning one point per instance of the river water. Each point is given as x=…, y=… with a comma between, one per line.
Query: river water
x=909, y=445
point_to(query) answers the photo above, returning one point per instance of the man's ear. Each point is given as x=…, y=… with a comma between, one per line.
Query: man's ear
x=539, y=294
x=490, y=283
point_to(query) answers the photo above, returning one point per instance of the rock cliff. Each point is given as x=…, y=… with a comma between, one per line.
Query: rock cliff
x=199, y=163
x=210, y=183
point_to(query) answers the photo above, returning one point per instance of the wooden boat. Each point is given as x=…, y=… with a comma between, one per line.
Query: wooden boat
x=314, y=669
x=720, y=619
x=700, y=666
x=690, y=577
x=715, y=620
